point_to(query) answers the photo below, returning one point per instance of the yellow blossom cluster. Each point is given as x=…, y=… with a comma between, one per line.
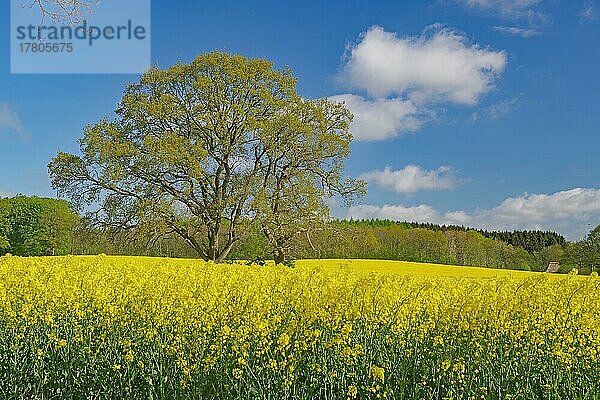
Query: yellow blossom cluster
x=135, y=327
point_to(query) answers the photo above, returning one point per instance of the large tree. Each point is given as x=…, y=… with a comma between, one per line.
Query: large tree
x=201, y=149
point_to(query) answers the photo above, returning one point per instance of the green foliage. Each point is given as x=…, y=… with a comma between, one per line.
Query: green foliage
x=253, y=245
x=392, y=241
x=584, y=255
x=351, y=240
x=198, y=149
x=4, y=227
x=304, y=162
x=531, y=240
x=554, y=253
x=33, y=226
x=591, y=248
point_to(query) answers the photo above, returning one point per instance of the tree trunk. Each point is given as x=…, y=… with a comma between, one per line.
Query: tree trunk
x=223, y=255
x=279, y=256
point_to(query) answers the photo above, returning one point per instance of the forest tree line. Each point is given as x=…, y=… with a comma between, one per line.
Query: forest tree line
x=32, y=226
x=377, y=239
x=530, y=240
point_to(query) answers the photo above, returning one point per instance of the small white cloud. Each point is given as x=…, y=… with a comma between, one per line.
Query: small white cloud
x=496, y=111
x=527, y=11
x=380, y=119
x=10, y=120
x=568, y=212
x=438, y=66
x=412, y=179
x=589, y=11
x=516, y=31
x=504, y=8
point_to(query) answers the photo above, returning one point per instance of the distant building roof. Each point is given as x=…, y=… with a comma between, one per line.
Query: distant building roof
x=553, y=267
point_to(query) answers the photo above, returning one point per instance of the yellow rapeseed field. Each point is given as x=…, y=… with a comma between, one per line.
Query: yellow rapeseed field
x=131, y=327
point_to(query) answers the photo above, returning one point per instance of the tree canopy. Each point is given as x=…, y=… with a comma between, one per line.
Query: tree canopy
x=34, y=226
x=201, y=149
x=591, y=248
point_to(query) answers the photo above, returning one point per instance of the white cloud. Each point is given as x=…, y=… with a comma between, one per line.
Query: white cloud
x=438, y=66
x=412, y=179
x=504, y=8
x=579, y=204
x=496, y=111
x=589, y=11
x=380, y=119
x=405, y=76
x=10, y=120
x=516, y=31
x=567, y=212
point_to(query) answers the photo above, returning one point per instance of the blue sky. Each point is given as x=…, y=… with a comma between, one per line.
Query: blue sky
x=477, y=112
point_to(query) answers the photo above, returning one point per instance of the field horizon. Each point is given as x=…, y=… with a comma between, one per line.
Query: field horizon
x=358, y=264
